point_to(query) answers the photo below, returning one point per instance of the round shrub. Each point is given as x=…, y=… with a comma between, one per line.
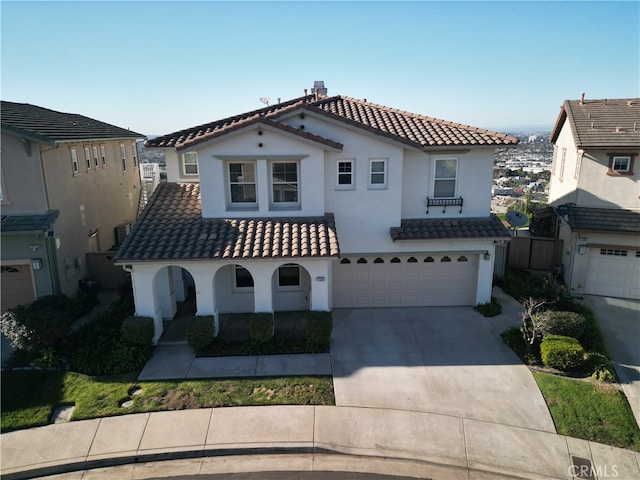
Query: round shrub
x=562, y=353
x=489, y=309
x=200, y=332
x=138, y=330
x=602, y=368
x=512, y=336
x=568, y=324
x=318, y=326
x=261, y=327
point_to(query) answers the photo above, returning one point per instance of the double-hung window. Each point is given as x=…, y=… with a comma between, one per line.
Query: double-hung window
x=444, y=179
x=123, y=155
x=190, y=163
x=242, y=184
x=74, y=160
x=563, y=160
x=620, y=164
x=134, y=152
x=285, y=184
x=103, y=154
x=96, y=162
x=345, y=175
x=87, y=157
x=378, y=173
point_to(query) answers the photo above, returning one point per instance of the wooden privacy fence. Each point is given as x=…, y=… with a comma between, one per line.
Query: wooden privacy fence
x=103, y=272
x=531, y=253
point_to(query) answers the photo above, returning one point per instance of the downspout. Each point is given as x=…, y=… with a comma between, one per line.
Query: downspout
x=52, y=257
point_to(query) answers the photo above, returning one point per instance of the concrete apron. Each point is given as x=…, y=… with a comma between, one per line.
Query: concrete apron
x=443, y=360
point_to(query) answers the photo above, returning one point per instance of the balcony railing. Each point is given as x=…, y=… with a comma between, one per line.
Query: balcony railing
x=444, y=203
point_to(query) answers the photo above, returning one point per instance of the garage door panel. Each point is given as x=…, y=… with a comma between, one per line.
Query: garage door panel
x=613, y=272
x=16, y=284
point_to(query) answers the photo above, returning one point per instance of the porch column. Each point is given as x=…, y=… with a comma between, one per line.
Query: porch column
x=320, y=273
x=179, y=287
x=262, y=291
x=205, y=294
x=145, y=299
x=166, y=293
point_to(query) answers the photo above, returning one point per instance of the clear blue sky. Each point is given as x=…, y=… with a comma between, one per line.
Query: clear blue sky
x=157, y=67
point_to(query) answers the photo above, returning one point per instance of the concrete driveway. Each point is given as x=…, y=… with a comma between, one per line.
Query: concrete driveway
x=443, y=360
x=619, y=320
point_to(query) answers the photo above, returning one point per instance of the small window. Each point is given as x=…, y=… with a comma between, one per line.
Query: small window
x=444, y=185
x=242, y=183
x=576, y=174
x=103, y=154
x=412, y=260
x=289, y=276
x=123, y=155
x=190, y=163
x=378, y=173
x=554, y=160
x=9, y=270
x=563, y=159
x=395, y=260
x=96, y=159
x=378, y=260
x=134, y=154
x=613, y=252
x=463, y=259
x=362, y=260
x=243, y=277
x=429, y=260
x=87, y=157
x=445, y=259
x=345, y=174
x=345, y=261
x=74, y=160
x=620, y=165
x=285, y=183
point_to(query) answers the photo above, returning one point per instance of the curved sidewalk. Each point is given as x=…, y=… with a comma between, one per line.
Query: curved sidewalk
x=306, y=438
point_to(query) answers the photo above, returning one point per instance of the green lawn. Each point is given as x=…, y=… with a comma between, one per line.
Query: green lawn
x=596, y=412
x=29, y=398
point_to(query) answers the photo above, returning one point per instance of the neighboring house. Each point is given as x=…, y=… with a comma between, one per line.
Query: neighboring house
x=595, y=196
x=67, y=182
x=318, y=203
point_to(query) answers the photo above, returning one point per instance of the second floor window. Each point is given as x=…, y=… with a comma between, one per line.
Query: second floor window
x=242, y=182
x=134, y=152
x=96, y=161
x=444, y=184
x=190, y=163
x=563, y=159
x=285, y=183
x=103, y=154
x=123, y=155
x=345, y=174
x=87, y=157
x=620, y=165
x=74, y=160
x=378, y=173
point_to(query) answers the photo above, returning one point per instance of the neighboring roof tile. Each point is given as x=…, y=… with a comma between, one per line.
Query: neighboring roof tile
x=49, y=126
x=601, y=123
x=443, y=228
x=172, y=228
x=411, y=129
x=28, y=223
x=604, y=219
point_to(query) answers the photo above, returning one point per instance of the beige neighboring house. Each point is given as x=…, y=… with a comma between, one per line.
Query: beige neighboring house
x=595, y=196
x=67, y=183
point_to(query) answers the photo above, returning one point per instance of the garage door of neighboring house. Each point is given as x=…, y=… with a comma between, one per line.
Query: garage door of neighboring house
x=614, y=272
x=405, y=280
x=16, y=285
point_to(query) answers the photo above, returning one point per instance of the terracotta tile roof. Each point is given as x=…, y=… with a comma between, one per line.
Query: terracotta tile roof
x=37, y=223
x=601, y=123
x=604, y=219
x=171, y=228
x=435, y=229
x=408, y=128
x=48, y=126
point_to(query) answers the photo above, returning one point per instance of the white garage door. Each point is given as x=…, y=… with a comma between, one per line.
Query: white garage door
x=405, y=281
x=613, y=272
x=16, y=285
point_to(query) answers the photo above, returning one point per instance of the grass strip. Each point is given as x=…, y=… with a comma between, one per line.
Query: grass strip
x=29, y=397
x=592, y=411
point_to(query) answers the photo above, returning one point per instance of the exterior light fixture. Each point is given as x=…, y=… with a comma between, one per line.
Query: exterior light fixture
x=34, y=246
x=582, y=249
x=487, y=255
x=36, y=263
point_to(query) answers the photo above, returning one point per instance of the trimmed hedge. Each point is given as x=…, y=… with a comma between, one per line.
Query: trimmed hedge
x=562, y=353
x=261, y=327
x=200, y=332
x=568, y=324
x=138, y=330
x=489, y=309
x=318, y=326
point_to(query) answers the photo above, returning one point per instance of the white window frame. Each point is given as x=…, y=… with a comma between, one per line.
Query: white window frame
x=74, y=161
x=563, y=160
x=87, y=158
x=193, y=160
x=103, y=154
x=352, y=174
x=385, y=174
x=134, y=152
x=298, y=286
x=447, y=179
x=242, y=205
x=123, y=155
x=96, y=159
x=580, y=154
x=621, y=157
x=284, y=204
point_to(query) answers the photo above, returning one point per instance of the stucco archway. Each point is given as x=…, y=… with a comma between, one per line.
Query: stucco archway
x=174, y=287
x=234, y=289
x=291, y=288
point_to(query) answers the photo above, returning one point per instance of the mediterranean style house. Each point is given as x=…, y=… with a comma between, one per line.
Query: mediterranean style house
x=595, y=196
x=67, y=182
x=317, y=203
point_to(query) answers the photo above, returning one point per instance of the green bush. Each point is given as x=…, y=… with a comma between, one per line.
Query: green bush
x=512, y=336
x=138, y=330
x=489, y=309
x=568, y=324
x=562, y=353
x=200, y=332
x=125, y=358
x=261, y=327
x=602, y=368
x=318, y=326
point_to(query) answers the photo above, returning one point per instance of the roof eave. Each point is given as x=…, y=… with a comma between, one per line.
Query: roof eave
x=28, y=135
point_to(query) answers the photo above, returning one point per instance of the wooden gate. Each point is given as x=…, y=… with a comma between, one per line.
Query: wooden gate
x=531, y=253
x=104, y=272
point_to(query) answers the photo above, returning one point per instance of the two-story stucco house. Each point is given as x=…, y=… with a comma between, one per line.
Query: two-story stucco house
x=318, y=203
x=595, y=195
x=67, y=181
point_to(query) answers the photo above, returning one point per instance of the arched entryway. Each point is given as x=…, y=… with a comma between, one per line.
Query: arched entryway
x=234, y=289
x=291, y=288
x=175, y=292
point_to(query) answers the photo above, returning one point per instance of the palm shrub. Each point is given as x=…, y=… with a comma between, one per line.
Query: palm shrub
x=562, y=353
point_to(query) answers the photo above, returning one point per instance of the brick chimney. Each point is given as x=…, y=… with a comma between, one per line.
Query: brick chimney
x=319, y=89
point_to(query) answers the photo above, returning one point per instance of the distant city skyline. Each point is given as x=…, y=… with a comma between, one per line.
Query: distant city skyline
x=157, y=66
